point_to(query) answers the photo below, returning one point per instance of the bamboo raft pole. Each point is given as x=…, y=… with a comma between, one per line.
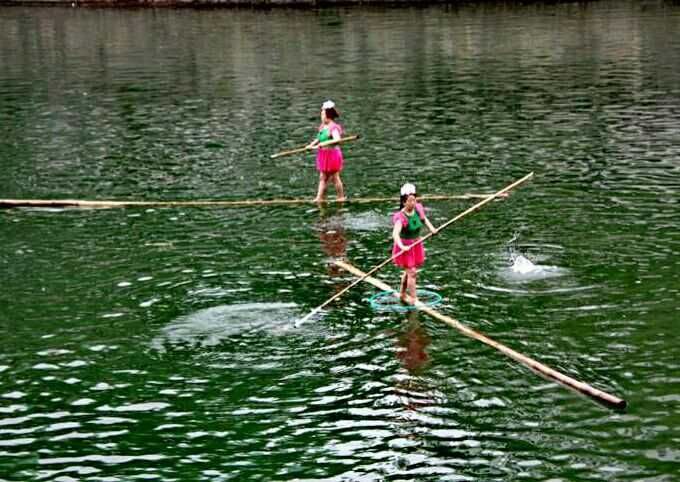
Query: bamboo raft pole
x=534, y=365
x=104, y=204
x=298, y=150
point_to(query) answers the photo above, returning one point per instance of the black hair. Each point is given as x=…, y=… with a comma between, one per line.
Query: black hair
x=403, y=198
x=332, y=113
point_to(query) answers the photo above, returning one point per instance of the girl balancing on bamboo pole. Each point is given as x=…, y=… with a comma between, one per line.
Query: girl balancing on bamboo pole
x=408, y=222
x=329, y=161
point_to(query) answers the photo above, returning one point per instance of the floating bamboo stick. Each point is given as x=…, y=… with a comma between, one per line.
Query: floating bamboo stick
x=544, y=370
x=79, y=203
x=486, y=200
x=307, y=148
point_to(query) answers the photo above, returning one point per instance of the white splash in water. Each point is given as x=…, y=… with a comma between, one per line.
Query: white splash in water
x=522, y=265
x=210, y=326
x=523, y=270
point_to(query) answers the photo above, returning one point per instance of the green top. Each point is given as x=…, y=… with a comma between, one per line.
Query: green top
x=412, y=229
x=324, y=135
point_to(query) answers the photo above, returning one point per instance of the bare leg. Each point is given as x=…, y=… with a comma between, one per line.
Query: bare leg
x=402, y=287
x=339, y=188
x=323, y=180
x=411, y=284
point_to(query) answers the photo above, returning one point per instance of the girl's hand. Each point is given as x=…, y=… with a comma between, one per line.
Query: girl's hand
x=405, y=248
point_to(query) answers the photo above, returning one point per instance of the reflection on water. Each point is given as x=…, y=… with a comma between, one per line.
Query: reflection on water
x=413, y=341
x=333, y=237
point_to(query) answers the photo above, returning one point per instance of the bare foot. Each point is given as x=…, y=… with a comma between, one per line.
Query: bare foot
x=317, y=200
x=341, y=199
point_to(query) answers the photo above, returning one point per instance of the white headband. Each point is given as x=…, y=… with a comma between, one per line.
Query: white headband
x=329, y=104
x=408, y=189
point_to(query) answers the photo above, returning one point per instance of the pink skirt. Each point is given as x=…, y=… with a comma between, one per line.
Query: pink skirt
x=329, y=160
x=413, y=258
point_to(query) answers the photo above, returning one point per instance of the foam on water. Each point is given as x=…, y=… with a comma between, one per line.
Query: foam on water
x=210, y=326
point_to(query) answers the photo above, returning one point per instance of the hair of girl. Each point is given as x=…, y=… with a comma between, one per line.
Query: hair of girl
x=332, y=113
x=403, y=198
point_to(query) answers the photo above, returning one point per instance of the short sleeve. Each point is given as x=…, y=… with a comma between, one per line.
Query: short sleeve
x=399, y=216
x=420, y=210
x=336, y=128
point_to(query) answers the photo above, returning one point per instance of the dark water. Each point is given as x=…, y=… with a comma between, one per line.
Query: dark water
x=155, y=344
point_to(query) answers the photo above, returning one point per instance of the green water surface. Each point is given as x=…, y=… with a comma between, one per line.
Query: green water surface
x=156, y=344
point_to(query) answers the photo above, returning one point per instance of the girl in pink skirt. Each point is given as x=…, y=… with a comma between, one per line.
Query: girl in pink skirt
x=329, y=159
x=408, y=222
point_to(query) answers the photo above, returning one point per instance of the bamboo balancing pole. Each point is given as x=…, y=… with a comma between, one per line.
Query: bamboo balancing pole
x=104, y=204
x=443, y=226
x=536, y=366
x=322, y=144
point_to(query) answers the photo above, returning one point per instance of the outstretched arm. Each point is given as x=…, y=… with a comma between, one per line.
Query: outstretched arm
x=432, y=229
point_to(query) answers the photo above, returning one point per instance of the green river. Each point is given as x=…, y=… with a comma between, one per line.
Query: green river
x=158, y=343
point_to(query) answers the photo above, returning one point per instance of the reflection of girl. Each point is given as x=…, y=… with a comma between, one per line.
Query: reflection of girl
x=412, y=343
x=408, y=222
x=333, y=242
x=329, y=160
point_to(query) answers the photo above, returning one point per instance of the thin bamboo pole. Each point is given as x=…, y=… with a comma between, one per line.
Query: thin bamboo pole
x=322, y=144
x=104, y=204
x=443, y=226
x=536, y=366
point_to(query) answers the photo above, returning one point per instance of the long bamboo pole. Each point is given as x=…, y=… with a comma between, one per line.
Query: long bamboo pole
x=443, y=226
x=322, y=144
x=536, y=366
x=104, y=204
